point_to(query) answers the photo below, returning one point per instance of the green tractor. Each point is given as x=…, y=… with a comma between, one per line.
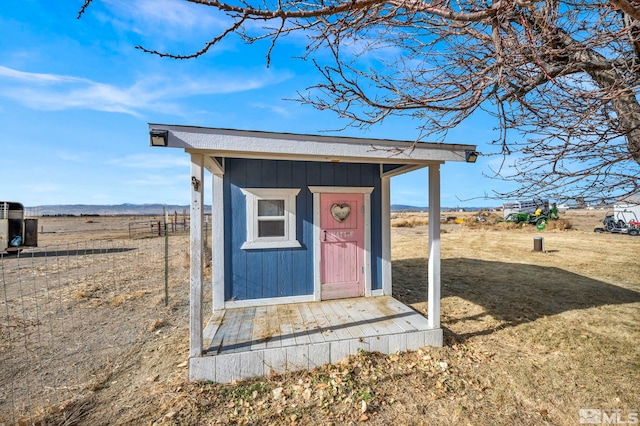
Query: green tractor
x=526, y=218
x=522, y=212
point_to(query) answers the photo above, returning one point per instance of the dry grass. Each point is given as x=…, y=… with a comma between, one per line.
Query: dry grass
x=474, y=220
x=409, y=220
x=157, y=324
x=530, y=338
x=121, y=299
x=561, y=327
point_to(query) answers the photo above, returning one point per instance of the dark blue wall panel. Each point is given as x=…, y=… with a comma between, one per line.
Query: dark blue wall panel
x=389, y=167
x=255, y=274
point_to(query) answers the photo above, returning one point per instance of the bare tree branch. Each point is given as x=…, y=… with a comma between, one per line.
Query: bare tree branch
x=236, y=25
x=628, y=7
x=83, y=8
x=560, y=77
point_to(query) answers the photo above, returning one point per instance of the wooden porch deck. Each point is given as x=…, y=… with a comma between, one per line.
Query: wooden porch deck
x=247, y=342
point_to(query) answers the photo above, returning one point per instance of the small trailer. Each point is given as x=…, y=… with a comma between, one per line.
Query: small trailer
x=627, y=209
x=625, y=217
x=525, y=206
x=16, y=232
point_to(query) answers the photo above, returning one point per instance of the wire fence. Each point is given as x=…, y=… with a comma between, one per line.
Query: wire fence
x=65, y=316
x=155, y=228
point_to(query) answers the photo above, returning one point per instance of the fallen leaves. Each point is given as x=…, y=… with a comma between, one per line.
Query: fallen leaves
x=355, y=390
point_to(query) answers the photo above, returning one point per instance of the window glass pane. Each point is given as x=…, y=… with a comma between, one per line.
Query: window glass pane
x=270, y=207
x=271, y=228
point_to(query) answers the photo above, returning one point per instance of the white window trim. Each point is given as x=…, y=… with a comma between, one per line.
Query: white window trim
x=289, y=196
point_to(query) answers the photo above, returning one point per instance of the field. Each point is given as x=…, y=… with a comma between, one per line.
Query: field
x=530, y=338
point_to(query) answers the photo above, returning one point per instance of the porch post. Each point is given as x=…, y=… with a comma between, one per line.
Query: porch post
x=217, y=242
x=196, y=254
x=433, y=293
x=386, y=234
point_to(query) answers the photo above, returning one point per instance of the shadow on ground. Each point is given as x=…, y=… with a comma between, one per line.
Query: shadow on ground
x=512, y=293
x=63, y=253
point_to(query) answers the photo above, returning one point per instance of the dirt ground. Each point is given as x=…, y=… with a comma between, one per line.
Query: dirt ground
x=530, y=338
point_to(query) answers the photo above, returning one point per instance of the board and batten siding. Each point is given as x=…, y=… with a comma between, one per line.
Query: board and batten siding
x=268, y=273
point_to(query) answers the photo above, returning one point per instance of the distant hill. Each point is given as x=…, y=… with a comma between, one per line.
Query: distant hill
x=125, y=209
x=405, y=208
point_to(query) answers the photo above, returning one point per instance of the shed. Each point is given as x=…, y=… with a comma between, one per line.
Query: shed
x=301, y=247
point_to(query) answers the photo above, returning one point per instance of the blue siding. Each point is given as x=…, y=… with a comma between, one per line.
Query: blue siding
x=254, y=286
x=254, y=274
x=237, y=262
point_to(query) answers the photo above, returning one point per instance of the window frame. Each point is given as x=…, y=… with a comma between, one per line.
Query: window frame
x=253, y=240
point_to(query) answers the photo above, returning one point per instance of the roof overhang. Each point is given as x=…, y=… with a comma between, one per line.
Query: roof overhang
x=215, y=142
x=629, y=199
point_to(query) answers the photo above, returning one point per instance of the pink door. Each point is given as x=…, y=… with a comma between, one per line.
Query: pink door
x=341, y=245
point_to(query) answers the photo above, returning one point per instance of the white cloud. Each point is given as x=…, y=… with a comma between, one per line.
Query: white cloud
x=281, y=111
x=176, y=13
x=38, y=78
x=73, y=157
x=55, y=92
x=158, y=16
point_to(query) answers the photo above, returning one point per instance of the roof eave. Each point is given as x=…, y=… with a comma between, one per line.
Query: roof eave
x=268, y=145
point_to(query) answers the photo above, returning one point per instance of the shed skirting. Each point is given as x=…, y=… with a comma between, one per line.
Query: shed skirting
x=244, y=365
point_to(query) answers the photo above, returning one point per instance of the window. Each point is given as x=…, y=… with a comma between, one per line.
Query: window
x=271, y=218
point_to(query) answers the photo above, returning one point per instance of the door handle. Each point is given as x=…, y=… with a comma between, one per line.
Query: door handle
x=325, y=235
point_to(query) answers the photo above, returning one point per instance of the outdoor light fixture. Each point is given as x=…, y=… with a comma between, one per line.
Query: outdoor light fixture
x=159, y=137
x=471, y=156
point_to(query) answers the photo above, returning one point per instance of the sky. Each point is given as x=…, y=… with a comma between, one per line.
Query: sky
x=76, y=97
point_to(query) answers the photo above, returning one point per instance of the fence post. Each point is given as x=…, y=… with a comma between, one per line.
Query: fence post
x=166, y=261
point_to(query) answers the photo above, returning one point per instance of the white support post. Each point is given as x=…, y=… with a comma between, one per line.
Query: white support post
x=386, y=235
x=317, y=293
x=433, y=293
x=196, y=254
x=367, y=245
x=217, y=242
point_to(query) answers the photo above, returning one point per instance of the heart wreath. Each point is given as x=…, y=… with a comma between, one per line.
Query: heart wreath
x=340, y=212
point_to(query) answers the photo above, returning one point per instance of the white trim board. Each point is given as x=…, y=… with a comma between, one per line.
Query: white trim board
x=401, y=170
x=253, y=144
x=341, y=189
x=217, y=241
x=385, y=234
x=196, y=246
x=268, y=301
